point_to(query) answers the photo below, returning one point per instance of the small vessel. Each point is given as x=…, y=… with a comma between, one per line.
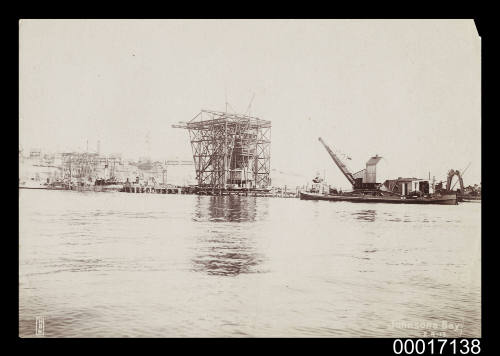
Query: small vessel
x=32, y=184
x=448, y=199
x=469, y=198
x=59, y=185
x=110, y=184
x=464, y=194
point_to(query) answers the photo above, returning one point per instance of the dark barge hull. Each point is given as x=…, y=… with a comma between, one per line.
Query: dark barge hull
x=33, y=188
x=449, y=199
x=469, y=199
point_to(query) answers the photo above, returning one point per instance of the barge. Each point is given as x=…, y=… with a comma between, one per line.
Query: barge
x=447, y=199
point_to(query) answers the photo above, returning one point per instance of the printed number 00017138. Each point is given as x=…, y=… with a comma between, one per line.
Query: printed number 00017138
x=436, y=346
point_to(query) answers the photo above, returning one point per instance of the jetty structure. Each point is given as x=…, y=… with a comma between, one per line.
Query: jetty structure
x=87, y=170
x=231, y=152
x=366, y=189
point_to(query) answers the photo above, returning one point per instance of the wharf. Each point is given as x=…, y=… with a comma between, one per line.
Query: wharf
x=206, y=191
x=155, y=190
x=135, y=188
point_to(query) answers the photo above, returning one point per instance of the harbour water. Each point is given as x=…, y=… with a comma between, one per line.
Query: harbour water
x=151, y=265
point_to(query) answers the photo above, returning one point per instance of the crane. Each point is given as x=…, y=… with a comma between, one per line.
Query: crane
x=461, y=177
x=343, y=168
x=451, y=174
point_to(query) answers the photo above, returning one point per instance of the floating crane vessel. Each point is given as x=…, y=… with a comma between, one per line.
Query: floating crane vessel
x=367, y=190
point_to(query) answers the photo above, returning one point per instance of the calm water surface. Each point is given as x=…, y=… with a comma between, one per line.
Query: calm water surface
x=140, y=265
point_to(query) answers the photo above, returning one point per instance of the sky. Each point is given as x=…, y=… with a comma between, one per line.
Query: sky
x=407, y=90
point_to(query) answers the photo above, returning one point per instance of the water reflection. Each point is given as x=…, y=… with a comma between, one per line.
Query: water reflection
x=226, y=249
x=160, y=267
x=226, y=208
x=365, y=215
x=226, y=256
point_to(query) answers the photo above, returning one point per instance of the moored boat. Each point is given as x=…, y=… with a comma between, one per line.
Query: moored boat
x=32, y=184
x=447, y=199
x=469, y=199
x=107, y=185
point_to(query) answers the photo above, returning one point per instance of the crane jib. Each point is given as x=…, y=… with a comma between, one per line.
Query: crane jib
x=339, y=163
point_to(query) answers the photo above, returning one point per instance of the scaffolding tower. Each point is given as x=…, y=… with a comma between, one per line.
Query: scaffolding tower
x=88, y=166
x=230, y=151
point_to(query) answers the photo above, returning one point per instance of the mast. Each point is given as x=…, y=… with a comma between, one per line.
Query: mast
x=343, y=168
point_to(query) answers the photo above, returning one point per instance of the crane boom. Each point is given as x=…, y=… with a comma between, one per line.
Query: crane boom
x=343, y=168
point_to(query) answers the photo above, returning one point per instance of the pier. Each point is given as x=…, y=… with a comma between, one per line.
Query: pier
x=275, y=193
x=155, y=190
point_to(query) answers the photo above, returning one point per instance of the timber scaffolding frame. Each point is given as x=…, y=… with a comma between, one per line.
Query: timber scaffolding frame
x=230, y=151
x=85, y=166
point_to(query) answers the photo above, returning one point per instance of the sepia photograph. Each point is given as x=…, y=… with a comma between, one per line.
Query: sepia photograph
x=250, y=178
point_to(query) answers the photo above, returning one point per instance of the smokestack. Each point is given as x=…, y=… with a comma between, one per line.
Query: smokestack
x=98, y=147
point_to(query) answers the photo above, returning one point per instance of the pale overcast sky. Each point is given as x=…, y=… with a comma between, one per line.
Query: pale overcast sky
x=408, y=90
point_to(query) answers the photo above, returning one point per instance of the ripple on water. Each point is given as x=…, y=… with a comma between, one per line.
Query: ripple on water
x=98, y=265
